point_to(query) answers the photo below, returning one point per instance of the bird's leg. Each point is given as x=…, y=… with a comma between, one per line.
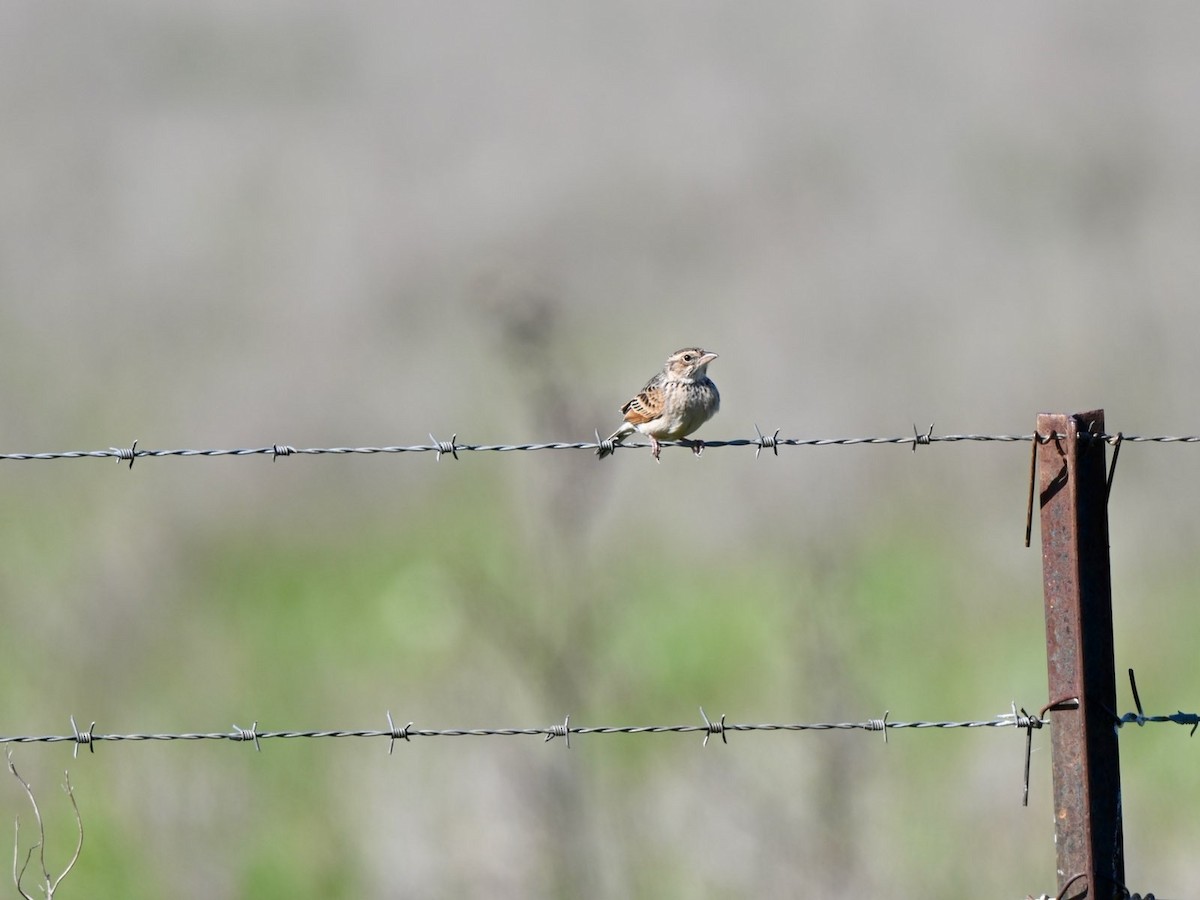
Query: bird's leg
x=657, y=448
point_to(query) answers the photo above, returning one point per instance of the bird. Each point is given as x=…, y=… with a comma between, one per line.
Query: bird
x=672, y=405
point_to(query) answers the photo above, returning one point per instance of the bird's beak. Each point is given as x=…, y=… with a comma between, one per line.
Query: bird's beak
x=708, y=357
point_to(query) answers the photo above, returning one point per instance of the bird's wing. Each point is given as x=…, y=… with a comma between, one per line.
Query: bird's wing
x=648, y=404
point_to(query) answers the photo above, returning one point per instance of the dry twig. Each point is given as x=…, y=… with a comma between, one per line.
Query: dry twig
x=50, y=882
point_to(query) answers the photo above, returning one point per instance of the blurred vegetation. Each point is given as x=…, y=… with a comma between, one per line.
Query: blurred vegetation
x=235, y=224
x=452, y=618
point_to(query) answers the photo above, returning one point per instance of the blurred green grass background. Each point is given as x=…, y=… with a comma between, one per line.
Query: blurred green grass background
x=240, y=225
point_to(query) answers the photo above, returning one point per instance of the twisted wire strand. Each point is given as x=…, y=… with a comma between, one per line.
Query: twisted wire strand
x=760, y=442
x=1018, y=719
x=90, y=737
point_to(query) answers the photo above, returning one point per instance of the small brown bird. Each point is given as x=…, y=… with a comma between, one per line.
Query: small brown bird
x=673, y=404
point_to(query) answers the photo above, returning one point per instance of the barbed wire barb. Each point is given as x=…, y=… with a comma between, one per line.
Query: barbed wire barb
x=563, y=731
x=919, y=438
x=880, y=724
x=766, y=443
x=396, y=733
x=241, y=734
x=82, y=737
x=1140, y=718
x=712, y=728
x=126, y=454
x=604, y=447
x=1026, y=721
x=445, y=446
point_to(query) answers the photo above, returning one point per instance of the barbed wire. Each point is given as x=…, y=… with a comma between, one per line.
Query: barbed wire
x=1017, y=718
x=89, y=737
x=760, y=442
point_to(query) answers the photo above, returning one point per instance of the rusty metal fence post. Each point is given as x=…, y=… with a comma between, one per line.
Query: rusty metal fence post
x=1079, y=655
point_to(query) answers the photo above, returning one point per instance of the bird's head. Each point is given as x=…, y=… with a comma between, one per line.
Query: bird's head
x=690, y=362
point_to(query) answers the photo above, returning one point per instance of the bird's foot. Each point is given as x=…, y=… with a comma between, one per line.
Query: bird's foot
x=697, y=447
x=656, y=448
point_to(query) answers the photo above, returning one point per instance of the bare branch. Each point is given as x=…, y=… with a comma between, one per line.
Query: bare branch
x=18, y=875
x=50, y=883
x=78, y=824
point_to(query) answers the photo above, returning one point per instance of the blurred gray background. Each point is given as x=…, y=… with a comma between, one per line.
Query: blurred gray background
x=238, y=224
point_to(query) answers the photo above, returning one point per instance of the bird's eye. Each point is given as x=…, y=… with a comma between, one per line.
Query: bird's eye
x=688, y=357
